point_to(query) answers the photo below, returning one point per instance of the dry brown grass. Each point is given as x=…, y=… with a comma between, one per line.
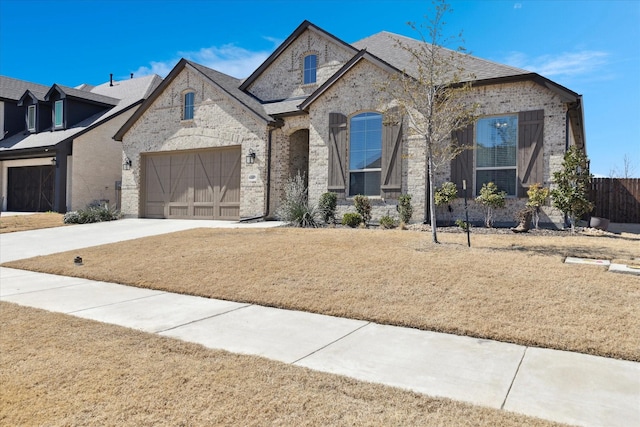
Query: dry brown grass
x=512, y=288
x=59, y=370
x=13, y=223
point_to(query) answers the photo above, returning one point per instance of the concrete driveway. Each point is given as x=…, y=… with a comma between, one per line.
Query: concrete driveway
x=27, y=244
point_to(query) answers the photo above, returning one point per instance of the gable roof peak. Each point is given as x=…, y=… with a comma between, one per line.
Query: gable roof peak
x=285, y=44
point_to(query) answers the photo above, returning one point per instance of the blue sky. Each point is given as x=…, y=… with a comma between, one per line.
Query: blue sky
x=590, y=46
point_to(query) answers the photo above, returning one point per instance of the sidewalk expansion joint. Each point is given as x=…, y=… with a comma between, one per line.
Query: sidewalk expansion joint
x=504, y=402
x=111, y=303
x=203, y=318
x=331, y=343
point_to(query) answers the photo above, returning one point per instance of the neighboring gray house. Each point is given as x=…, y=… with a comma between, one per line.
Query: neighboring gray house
x=58, y=153
x=206, y=145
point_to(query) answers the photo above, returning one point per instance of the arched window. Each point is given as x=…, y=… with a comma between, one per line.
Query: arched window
x=188, y=102
x=365, y=154
x=310, y=64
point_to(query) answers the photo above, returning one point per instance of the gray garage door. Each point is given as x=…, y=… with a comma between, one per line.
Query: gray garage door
x=192, y=184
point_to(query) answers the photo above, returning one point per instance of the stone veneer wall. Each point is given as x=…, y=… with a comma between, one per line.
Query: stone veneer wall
x=511, y=98
x=218, y=122
x=283, y=78
x=356, y=92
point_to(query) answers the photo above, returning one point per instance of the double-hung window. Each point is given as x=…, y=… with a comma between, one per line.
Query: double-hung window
x=310, y=66
x=496, y=152
x=31, y=118
x=365, y=154
x=188, y=105
x=58, y=114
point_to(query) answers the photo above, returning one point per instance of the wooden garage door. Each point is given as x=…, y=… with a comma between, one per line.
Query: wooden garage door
x=30, y=188
x=194, y=185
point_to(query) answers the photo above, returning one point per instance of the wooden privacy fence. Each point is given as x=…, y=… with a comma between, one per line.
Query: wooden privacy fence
x=616, y=199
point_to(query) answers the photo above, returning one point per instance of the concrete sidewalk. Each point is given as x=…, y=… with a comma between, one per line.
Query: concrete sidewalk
x=560, y=386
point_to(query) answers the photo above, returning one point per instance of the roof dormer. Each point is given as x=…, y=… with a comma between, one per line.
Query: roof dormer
x=37, y=112
x=70, y=106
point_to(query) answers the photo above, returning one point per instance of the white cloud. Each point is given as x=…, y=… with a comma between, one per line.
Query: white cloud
x=229, y=59
x=564, y=64
x=517, y=6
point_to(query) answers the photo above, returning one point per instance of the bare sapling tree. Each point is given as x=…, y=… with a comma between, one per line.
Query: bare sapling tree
x=432, y=93
x=627, y=171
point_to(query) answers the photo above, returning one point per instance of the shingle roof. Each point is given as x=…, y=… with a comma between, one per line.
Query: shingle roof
x=127, y=93
x=13, y=89
x=385, y=45
x=285, y=106
x=86, y=95
x=231, y=85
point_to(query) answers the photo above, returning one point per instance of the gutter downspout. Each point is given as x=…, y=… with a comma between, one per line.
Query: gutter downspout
x=269, y=149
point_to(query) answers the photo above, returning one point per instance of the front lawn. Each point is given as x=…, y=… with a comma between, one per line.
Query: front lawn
x=58, y=370
x=512, y=288
x=13, y=223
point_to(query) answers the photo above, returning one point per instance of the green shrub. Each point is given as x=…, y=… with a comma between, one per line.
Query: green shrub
x=387, y=222
x=327, y=207
x=92, y=213
x=462, y=224
x=491, y=199
x=352, y=219
x=295, y=207
x=538, y=196
x=405, y=210
x=571, y=195
x=446, y=194
x=363, y=206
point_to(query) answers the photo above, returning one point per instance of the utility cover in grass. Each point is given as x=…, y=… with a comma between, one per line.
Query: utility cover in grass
x=621, y=268
x=573, y=260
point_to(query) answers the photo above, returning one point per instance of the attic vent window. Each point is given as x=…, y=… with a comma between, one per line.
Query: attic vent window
x=58, y=114
x=188, y=100
x=310, y=63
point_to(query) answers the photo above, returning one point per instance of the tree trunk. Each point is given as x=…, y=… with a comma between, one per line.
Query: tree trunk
x=432, y=194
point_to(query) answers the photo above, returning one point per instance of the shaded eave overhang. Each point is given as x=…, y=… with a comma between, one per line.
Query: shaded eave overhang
x=298, y=31
x=361, y=55
x=183, y=63
x=29, y=153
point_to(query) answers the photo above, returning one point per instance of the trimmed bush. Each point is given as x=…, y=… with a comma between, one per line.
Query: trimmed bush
x=352, y=219
x=387, y=222
x=491, y=199
x=327, y=207
x=446, y=194
x=405, y=210
x=363, y=206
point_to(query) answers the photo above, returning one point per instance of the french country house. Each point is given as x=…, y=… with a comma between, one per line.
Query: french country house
x=57, y=152
x=207, y=145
